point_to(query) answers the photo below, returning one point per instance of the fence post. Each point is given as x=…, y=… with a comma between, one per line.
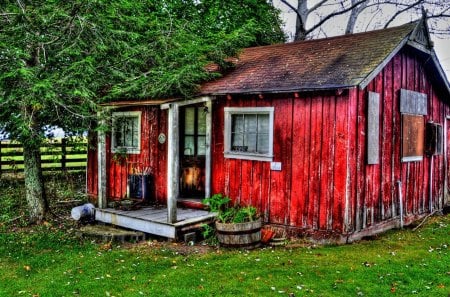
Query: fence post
x=63, y=154
x=0, y=158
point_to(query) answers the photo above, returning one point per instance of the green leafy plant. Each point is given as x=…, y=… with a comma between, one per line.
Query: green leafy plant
x=228, y=213
x=209, y=234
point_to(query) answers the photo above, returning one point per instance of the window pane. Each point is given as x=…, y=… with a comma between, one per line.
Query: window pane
x=201, y=145
x=263, y=143
x=263, y=123
x=237, y=123
x=189, y=120
x=237, y=140
x=250, y=142
x=118, y=137
x=250, y=123
x=127, y=132
x=201, y=121
x=188, y=146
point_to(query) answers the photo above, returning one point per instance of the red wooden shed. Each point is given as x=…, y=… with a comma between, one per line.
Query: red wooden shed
x=340, y=137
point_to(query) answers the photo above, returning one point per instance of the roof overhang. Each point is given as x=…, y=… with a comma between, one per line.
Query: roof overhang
x=281, y=91
x=129, y=103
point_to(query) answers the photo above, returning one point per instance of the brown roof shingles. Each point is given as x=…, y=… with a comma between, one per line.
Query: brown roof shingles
x=330, y=63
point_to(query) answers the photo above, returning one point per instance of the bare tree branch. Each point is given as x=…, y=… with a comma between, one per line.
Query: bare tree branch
x=331, y=15
x=413, y=5
x=318, y=5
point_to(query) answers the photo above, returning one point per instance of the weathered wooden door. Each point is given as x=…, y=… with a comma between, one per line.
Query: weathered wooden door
x=192, y=151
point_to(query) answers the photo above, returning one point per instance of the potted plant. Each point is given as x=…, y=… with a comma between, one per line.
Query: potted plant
x=236, y=225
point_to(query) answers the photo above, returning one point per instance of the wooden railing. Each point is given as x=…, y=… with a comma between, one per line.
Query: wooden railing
x=62, y=155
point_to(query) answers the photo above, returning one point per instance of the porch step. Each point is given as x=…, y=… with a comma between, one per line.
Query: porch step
x=153, y=220
x=108, y=233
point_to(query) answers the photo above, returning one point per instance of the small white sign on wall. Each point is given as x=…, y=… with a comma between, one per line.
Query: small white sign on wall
x=275, y=166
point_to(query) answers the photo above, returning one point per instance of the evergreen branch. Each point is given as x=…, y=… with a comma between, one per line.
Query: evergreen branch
x=6, y=14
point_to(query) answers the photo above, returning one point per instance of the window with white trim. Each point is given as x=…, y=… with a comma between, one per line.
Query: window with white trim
x=126, y=132
x=249, y=133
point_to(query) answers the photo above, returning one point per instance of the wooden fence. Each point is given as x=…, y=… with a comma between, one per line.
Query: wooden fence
x=62, y=155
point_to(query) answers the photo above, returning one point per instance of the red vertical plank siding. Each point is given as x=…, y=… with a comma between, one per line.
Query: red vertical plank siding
x=361, y=207
x=396, y=132
x=340, y=167
x=315, y=162
x=351, y=159
x=305, y=182
x=246, y=182
x=327, y=163
x=387, y=184
x=282, y=150
x=377, y=202
x=255, y=188
x=265, y=172
x=159, y=157
x=217, y=147
x=300, y=146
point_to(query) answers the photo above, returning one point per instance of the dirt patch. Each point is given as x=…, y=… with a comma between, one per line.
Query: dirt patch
x=176, y=247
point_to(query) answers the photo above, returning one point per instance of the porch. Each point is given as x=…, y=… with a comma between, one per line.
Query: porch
x=154, y=220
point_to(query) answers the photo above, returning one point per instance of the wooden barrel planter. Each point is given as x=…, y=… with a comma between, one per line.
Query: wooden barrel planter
x=239, y=235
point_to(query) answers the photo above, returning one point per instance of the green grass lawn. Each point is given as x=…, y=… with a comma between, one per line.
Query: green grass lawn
x=49, y=260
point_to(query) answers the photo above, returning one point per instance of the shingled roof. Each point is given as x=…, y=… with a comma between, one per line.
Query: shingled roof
x=330, y=63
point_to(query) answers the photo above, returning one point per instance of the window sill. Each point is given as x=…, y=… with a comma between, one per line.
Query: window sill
x=128, y=151
x=248, y=156
x=412, y=159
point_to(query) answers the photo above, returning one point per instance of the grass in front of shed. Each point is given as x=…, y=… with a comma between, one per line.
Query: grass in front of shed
x=49, y=260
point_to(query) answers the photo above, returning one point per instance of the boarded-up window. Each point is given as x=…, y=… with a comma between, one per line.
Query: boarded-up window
x=373, y=128
x=413, y=102
x=413, y=106
x=412, y=137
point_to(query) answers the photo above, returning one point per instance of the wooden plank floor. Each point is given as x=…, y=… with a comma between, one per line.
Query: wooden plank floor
x=153, y=220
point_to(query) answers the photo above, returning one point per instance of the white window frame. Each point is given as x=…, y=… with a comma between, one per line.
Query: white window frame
x=228, y=113
x=121, y=149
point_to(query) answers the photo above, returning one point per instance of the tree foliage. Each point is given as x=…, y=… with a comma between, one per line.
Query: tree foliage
x=58, y=59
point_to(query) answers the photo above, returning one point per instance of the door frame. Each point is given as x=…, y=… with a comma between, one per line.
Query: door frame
x=173, y=151
x=446, y=194
x=198, y=161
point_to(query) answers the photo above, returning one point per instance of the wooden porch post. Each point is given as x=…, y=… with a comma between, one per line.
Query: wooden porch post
x=173, y=163
x=208, y=105
x=101, y=159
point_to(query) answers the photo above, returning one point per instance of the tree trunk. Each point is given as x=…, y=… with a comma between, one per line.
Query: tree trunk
x=34, y=183
x=300, y=23
x=354, y=14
